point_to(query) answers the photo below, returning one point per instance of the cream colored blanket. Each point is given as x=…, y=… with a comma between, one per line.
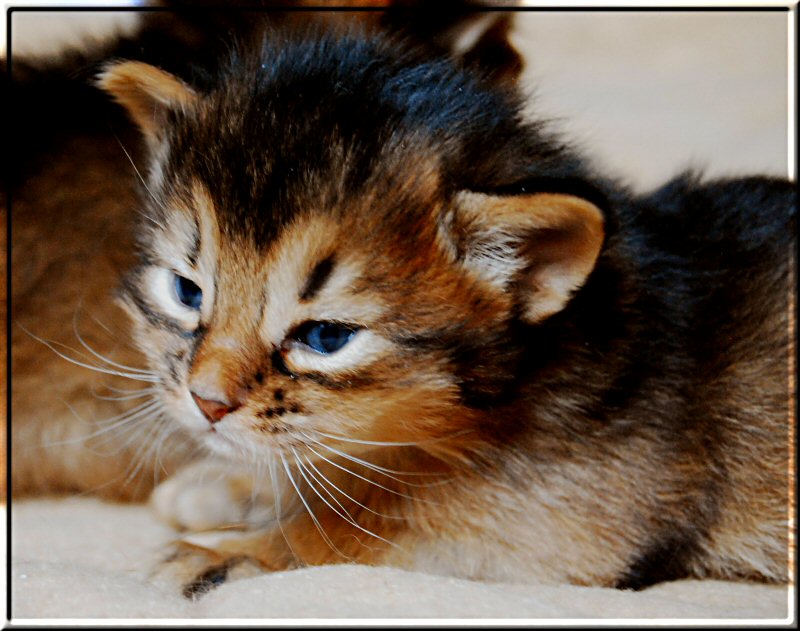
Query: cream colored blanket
x=80, y=558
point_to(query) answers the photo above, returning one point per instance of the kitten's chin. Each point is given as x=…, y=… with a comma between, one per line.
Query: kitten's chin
x=219, y=445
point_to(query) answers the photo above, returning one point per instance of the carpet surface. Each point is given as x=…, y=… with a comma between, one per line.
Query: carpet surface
x=81, y=558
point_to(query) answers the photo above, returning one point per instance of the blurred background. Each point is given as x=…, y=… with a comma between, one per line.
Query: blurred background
x=650, y=93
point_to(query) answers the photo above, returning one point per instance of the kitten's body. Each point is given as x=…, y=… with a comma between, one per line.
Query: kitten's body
x=635, y=431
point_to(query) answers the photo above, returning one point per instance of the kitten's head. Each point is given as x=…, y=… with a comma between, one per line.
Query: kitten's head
x=344, y=240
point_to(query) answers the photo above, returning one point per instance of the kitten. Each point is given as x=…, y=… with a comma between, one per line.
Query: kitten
x=73, y=187
x=452, y=346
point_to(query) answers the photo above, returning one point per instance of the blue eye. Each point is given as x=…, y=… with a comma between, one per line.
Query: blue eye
x=188, y=293
x=324, y=337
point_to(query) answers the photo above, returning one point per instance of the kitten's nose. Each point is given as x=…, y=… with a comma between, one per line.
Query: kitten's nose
x=213, y=410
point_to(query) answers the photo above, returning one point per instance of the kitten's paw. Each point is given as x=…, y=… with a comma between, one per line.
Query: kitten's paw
x=195, y=569
x=207, y=495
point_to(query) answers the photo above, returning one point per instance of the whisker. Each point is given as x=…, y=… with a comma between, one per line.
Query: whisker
x=110, y=424
x=127, y=390
x=152, y=404
x=278, y=500
x=98, y=355
x=127, y=397
x=378, y=468
x=353, y=473
x=115, y=335
x=140, y=455
x=310, y=512
x=144, y=183
x=167, y=430
x=135, y=432
x=257, y=480
x=347, y=517
x=367, y=442
x=355, y=501
x=148, y=419
x=115, y=479
x=152, y=378
x=301, y=467
x=378, y=443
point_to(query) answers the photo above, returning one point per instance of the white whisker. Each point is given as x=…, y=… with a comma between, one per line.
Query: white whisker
x=140, y=455
x=139, y=394
x=378, y=443
x=150, y=405
x=353, y=473
x=377, y=468
x=352, y=499
x=114, y=335
x=153, y=417
x=98, y=355
x=310, y=512
x=167, y=430
x=109, y=424
x=128, y=390
x=367, y=442
x=144, y=183
x=278, y=499
x=152, y=378
x=348, y=518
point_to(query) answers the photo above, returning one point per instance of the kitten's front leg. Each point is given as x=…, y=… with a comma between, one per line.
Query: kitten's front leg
x=200, y=562
x=311, y=534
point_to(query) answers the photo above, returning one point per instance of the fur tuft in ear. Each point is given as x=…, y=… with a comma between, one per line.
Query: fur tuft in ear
x=542, y=247
x=147, y=93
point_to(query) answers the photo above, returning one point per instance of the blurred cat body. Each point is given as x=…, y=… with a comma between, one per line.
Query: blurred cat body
x=362, y=271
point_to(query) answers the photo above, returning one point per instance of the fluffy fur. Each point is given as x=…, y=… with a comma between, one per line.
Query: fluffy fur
x=550, y=379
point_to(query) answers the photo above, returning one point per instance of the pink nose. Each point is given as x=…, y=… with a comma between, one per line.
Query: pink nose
x=213, y=410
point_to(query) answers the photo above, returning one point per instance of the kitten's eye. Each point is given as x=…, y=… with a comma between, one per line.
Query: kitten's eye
x=324, y=337
x=188, y=293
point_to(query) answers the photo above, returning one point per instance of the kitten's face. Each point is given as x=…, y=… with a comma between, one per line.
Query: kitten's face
x=312, y=270
x=318, y=331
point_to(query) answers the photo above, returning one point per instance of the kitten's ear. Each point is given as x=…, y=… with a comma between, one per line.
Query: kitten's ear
x=482, y=40
x=479, y=39
x=147, y=92
x=541, y=246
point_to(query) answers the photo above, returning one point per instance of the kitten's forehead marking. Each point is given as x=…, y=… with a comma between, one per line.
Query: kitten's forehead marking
x=190, y=229
x=176, y=241
x=310, y=275
x=291, y=263
x=318, y=277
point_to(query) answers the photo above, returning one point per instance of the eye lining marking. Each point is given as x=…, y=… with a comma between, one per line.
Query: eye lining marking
x=130, y=290
x=324, y=337
x=187, y=292
x=358, y=348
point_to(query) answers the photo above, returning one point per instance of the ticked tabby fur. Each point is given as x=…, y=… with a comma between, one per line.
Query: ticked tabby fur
x=450, y=345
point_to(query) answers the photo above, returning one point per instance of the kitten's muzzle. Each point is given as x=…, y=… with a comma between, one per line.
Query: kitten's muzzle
x=214, y=410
